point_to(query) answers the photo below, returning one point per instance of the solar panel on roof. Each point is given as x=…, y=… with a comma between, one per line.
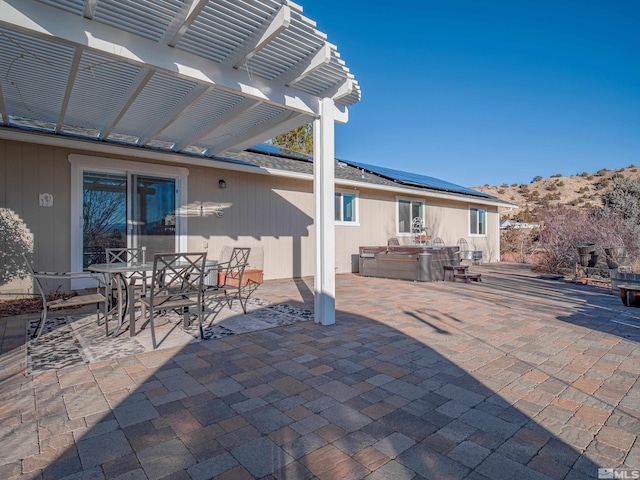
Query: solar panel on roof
x=399, y=176
x=417, y=180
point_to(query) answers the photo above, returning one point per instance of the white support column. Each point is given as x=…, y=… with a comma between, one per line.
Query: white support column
x=324, y=222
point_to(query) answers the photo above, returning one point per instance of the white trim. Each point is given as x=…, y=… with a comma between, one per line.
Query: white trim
x=356, y=221
x=486, y=220
x=409, y=199
x=81, y=163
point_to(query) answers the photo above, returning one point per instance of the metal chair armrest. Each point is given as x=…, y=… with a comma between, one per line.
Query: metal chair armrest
x=72, y=275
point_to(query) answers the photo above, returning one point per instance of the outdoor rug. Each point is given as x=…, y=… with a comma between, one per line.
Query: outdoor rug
x=76, y=339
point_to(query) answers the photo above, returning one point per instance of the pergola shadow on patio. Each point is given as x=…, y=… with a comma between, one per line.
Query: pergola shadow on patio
x=514, y=377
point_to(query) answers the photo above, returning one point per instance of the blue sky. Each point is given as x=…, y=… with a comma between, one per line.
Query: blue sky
x=489, y=92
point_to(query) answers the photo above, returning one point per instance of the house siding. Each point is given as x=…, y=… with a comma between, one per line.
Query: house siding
x=273, y=215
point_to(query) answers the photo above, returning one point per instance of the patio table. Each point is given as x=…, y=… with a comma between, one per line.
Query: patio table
x=121, y=272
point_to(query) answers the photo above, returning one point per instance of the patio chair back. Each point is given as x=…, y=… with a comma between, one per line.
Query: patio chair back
x=176, y=284
x=230, y=278
x=138, y=280
x=126, y=255
x=70, y=301
x=235, y=267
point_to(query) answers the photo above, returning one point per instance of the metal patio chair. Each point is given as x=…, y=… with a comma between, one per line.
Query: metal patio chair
x=176, y=285
x=135, y=283
x=230, y=279
x=126, y=255
x=68, y=301
x=136, y=280
x=437, y=242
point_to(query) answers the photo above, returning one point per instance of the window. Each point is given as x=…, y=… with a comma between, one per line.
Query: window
x=407, y=211
x=477, y=221
x=346, y=207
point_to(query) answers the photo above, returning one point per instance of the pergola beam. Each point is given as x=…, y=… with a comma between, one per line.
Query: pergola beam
x=73, y=71
x=308, y=65
x=228, y=116
x=182, y=22
x=256, y=131
x=261, y=37
x=135, y=88
x=339, y=90
x=90, y=8
x=171, y=116
x=274, y=131
x=3, y=109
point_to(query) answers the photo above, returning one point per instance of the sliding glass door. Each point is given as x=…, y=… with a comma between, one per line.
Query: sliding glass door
x=153, y=219
x=104, y=215
x=127, y=210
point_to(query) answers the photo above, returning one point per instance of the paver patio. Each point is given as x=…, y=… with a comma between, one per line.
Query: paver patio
x=514, y=377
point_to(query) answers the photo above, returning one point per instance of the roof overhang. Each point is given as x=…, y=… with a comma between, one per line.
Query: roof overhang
x=189, y=76
x=111, y=149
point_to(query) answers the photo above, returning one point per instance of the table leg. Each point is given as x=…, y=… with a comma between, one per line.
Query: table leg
x=132, y=310
x=119, y=278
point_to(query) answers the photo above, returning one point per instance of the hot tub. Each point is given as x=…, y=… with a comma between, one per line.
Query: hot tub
x=418, y=262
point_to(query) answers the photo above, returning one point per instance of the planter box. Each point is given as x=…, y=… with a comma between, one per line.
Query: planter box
x=250, y=276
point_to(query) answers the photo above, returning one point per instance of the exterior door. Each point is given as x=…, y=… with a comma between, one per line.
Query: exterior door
x=153, y=219
x=104, y=214
x=127, y=210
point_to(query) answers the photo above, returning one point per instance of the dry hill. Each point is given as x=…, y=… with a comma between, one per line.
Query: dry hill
x=583, y=190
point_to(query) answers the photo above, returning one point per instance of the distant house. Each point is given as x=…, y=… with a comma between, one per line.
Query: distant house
x=512, y=225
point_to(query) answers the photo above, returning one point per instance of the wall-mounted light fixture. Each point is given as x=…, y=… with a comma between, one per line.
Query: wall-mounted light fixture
x=222, y=183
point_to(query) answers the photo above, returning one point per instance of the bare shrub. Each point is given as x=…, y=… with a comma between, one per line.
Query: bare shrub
x=518, y=243
x=563, y=230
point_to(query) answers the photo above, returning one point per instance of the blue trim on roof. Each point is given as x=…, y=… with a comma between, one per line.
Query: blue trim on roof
x=417, y=180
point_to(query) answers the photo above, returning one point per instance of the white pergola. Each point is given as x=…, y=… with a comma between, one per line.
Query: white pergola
x=198, y=77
